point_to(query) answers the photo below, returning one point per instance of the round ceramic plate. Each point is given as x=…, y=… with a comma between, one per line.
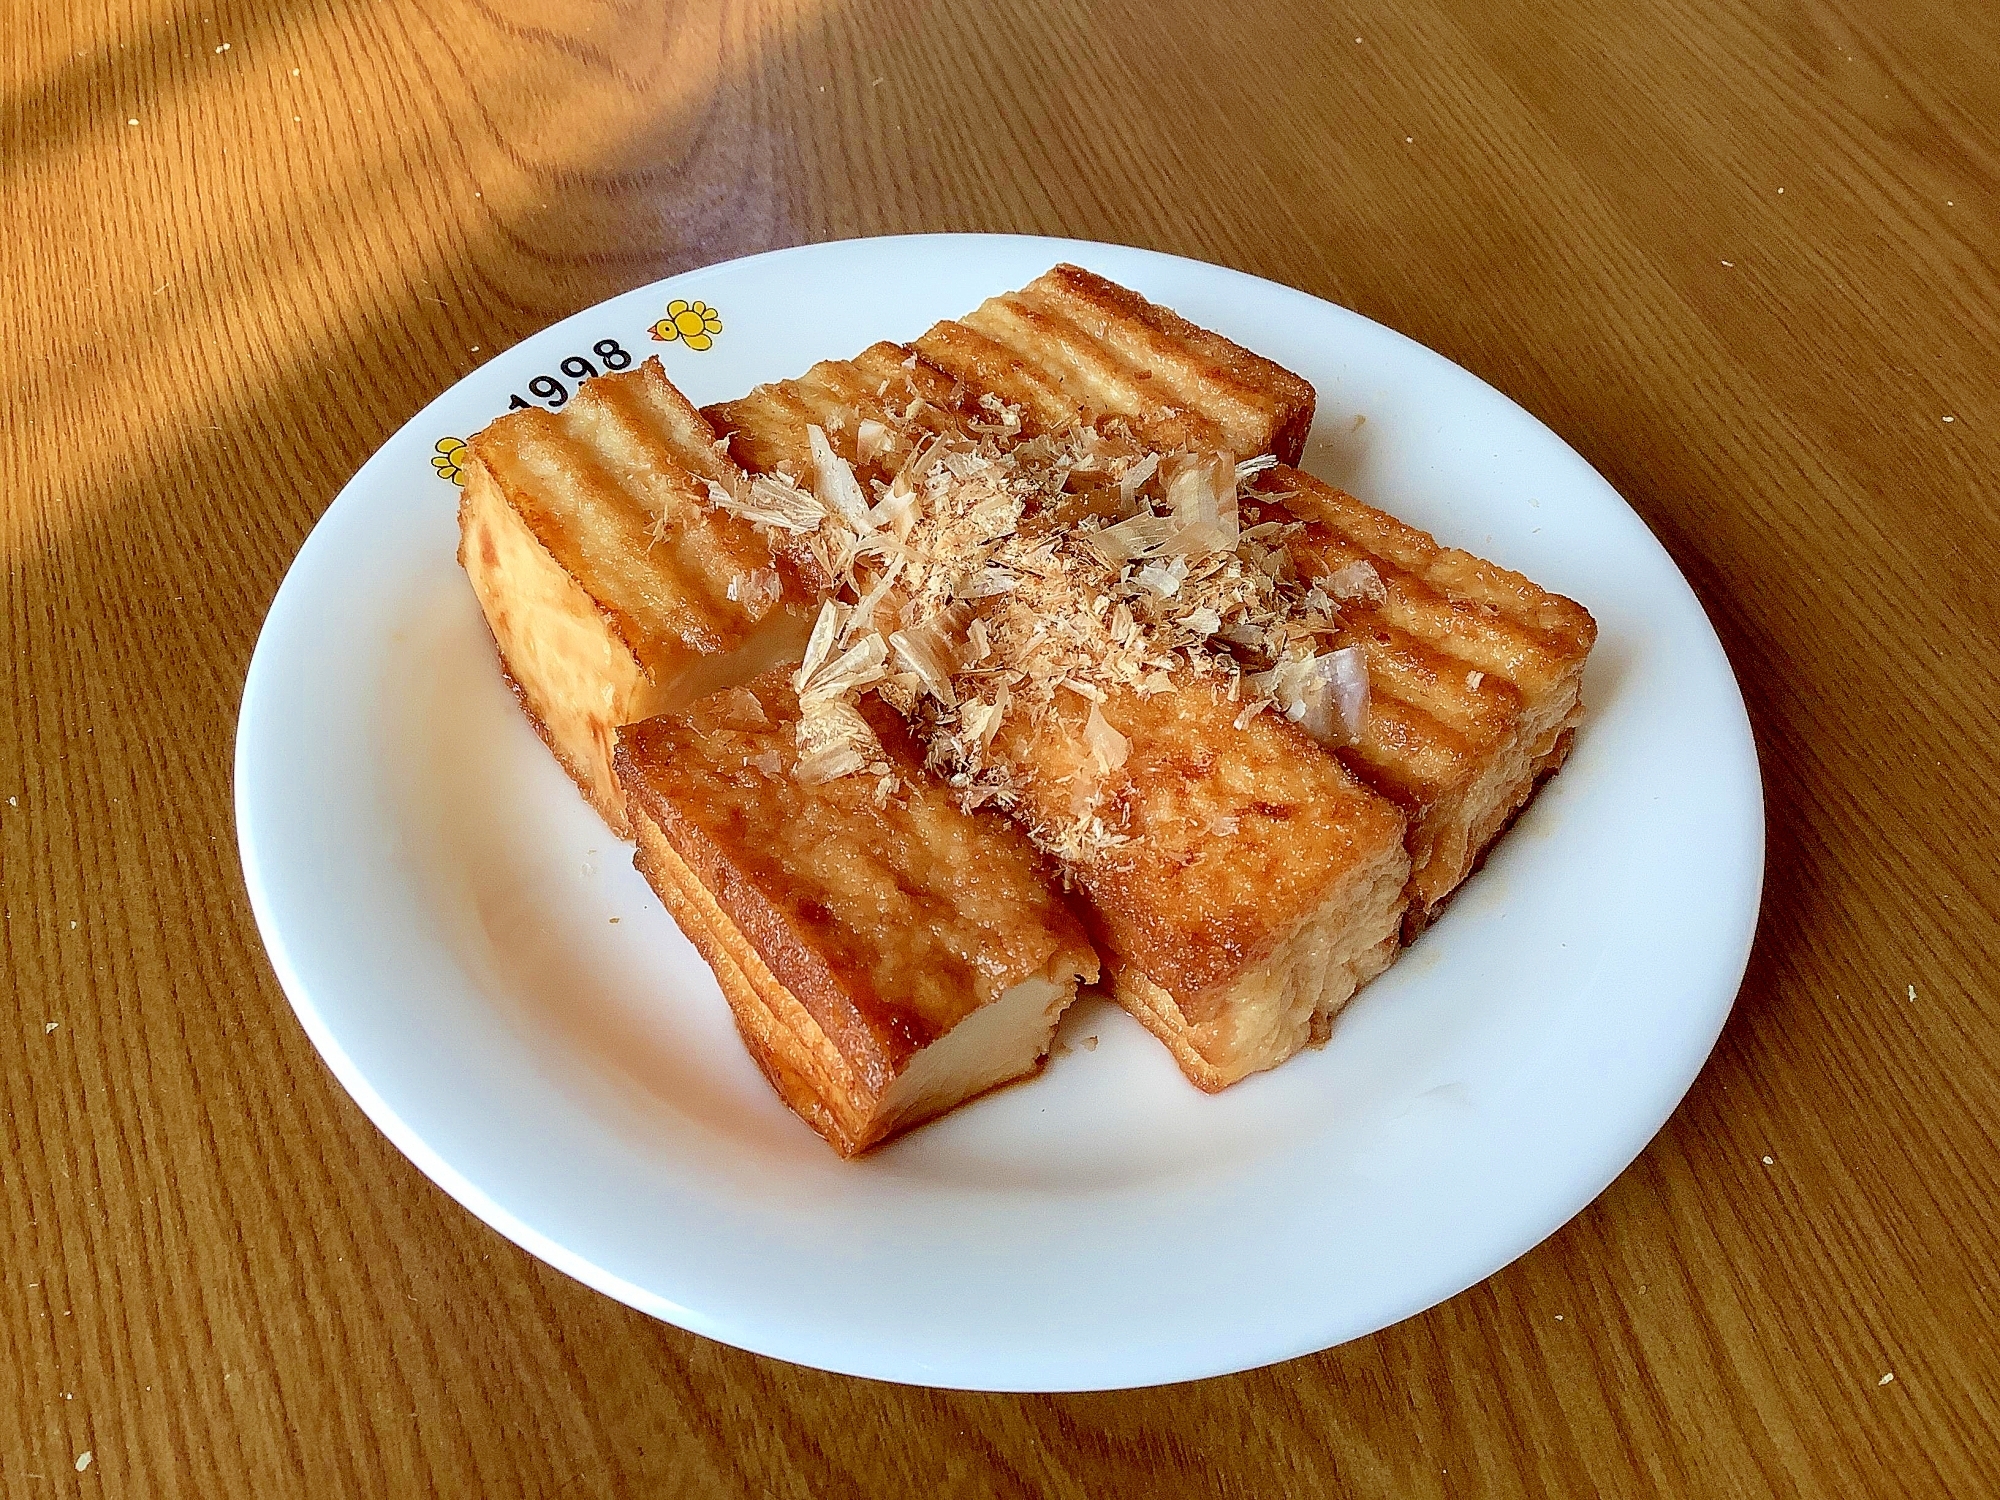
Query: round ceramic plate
x=481, y=967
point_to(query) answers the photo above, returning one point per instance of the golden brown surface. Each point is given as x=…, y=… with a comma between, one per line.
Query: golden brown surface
x=612, y=588
x=613, y=487
x=767, y=427
x=1072, y=345
x=889, y=922
x=1258, y=883
x=1475, y=671
x=1261, y=882
x=1475, y=676
x=222, y=1281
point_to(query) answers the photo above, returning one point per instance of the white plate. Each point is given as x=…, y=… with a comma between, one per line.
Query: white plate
x=482, y=969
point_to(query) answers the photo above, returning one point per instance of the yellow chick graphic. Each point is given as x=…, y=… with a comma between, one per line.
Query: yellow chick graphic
x=448, y=460
x=694, y=323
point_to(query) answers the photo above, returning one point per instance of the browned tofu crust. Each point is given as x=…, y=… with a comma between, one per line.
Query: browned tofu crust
x=1072, y=345
x=1234, y=839
x=613, y=589
x=767, y=428
x=1231, y=836
x=890, y=917
x=1234, y=836
x=1475, y=672
x=1475, y=675
x=613, y=486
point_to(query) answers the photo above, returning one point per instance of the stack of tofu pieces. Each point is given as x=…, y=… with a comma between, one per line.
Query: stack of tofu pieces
x=895, y=932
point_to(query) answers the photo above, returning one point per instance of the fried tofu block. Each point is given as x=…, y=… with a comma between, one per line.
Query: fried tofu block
x=1255, y=884
x=1072, y=345
x=1475, y=675
x=613, y=589
x=886, y=957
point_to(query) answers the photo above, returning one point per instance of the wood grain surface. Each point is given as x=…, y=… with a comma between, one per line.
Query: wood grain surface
x=1742, y=257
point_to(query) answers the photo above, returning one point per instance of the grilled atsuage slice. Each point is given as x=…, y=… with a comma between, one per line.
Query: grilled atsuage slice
x=614, y=590
x=1071, y=345
x=1475, y=674
x=886, y=957
x=1255, y=884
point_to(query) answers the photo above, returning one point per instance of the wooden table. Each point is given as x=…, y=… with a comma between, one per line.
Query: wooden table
x=1742, y=257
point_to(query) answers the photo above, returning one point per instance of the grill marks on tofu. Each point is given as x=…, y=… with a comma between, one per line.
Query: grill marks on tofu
x=1252, y=884
x=1475, y=675
x=1073, y=346
x=1474, y=671
x=612, y=587
x=1249, y=883
x=1240, y=880
x=613, y=487
x=767, y=428
x=1509, y=624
